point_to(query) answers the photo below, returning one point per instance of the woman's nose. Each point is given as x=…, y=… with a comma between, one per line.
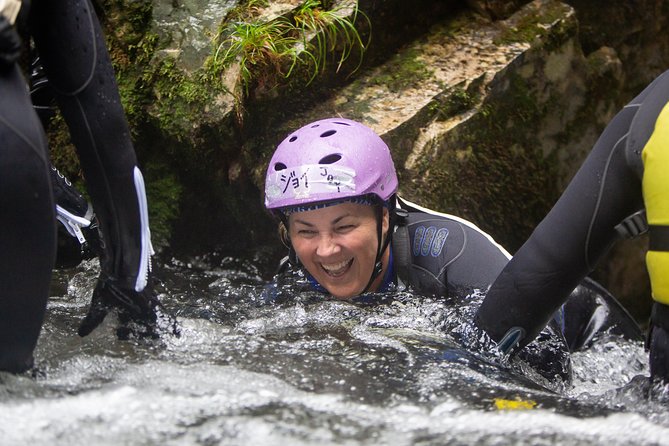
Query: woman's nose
x=327, y=246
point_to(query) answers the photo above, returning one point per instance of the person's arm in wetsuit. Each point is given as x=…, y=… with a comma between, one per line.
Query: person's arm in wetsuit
x=72, y=49
x=579, y=229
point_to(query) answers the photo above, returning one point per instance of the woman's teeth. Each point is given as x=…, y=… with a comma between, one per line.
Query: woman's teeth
x=335, y=269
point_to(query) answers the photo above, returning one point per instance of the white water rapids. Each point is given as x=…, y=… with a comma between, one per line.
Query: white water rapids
x=308, y=372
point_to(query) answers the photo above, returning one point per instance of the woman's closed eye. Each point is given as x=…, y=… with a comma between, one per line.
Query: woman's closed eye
x=345, y=228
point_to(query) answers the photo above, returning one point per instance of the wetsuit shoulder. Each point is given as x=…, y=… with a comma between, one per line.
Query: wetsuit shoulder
x=447, y=253
x=650, y=103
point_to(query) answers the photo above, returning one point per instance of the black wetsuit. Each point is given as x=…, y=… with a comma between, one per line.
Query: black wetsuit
x=442, y=254
x=580, y=228
x=68, y=37
x=464, y=259
x=436, y=254
x=78, y=237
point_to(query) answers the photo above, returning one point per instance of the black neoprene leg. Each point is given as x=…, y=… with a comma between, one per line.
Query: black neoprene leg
x=27, y=224
x=77, y=64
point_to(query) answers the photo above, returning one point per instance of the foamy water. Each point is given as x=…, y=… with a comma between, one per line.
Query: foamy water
x=307, y=371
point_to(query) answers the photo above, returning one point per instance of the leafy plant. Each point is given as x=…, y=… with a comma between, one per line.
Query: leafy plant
x=256, y=46
x=273, y=49
x=329, y=28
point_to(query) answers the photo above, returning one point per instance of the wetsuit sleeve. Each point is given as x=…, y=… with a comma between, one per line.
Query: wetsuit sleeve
x=570, y=240
x=73, y=52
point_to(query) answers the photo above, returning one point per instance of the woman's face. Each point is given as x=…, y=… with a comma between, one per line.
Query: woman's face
x=337, y=245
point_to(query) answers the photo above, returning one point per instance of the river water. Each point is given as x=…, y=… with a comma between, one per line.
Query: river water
x=305, y=371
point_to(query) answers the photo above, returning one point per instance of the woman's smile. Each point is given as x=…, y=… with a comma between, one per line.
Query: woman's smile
x=338, y=246
x=337, y=269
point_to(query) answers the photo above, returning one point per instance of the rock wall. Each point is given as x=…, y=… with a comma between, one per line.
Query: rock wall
x=489, y=108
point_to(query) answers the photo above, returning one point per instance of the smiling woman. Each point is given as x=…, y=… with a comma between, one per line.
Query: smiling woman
x=338, y=245
x=332, y=185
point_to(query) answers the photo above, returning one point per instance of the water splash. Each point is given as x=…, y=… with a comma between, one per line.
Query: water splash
x=304, y=369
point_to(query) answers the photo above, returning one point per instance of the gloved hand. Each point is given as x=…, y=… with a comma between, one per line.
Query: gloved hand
x=658, y=338
x=10, y=45
x=138, y=312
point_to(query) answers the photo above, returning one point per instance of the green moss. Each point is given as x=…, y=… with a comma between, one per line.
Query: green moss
x=163, y=196
x=147, y=80
x=404, y=70
x=125, y=24
x=452, y=102
x=491, y=169
x=178, y=97
x=535, y=25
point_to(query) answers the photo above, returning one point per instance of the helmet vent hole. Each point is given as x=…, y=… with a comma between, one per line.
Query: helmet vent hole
x=343, y=123
x=292, y=138
x=279, y=166
x=328, y=133
x=330, y=159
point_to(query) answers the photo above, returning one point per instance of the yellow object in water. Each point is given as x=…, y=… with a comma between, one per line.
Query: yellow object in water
x=655, y=183
x=518, y=404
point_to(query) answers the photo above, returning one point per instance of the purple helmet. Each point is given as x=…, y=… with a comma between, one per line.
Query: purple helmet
x=327, y=160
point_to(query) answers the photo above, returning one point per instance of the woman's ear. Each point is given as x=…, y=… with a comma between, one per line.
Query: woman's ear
x=285, y=239
x=385, y=224
x=284, y=236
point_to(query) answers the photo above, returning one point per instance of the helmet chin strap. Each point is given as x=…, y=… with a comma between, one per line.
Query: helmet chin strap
x=382, y=246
